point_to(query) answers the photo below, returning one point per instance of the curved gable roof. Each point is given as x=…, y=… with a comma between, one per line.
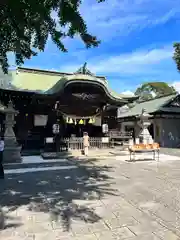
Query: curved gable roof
x=51, y=82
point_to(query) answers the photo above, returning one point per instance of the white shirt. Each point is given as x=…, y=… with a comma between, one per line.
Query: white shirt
x=1, y=145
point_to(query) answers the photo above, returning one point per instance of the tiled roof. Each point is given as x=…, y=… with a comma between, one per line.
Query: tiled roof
x=34, y=81
x=150, y=106
x=50, y=82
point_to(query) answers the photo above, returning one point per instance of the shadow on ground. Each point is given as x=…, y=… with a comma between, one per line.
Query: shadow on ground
x=141, y=160
x=57, y=191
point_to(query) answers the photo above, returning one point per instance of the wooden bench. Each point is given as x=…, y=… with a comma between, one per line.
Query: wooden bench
x=135, y=150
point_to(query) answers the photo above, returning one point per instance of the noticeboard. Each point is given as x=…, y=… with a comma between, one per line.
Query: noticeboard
x=105, y=140
x=49, y=140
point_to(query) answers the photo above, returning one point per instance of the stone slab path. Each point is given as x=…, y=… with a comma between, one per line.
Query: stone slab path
x=103, y=198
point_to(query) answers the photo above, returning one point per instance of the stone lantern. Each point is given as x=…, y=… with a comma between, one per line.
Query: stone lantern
x=12, y=151
x=144, y=135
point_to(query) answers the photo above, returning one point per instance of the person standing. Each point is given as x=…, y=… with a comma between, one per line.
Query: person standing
x=1, y=158
x=86, y=143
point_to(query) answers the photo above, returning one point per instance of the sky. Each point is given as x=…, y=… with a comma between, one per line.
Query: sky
x=137, y=39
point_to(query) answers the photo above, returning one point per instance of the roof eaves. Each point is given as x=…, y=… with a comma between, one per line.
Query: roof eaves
x=170, y=100
x=160, y=97
x=133, y=111
x=53, y=72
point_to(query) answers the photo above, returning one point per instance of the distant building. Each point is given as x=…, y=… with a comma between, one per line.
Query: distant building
x=165, y=120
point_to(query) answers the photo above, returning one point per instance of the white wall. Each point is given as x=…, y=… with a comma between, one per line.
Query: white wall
x=169, y=132
x=166, y=131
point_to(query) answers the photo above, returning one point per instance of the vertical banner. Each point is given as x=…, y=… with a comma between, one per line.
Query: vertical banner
x=105, y=128
x=97, y=121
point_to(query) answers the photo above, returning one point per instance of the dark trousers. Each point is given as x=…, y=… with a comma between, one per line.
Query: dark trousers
x=1, y=166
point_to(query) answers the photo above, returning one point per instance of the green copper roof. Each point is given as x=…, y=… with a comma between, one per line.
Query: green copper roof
x=150, y=106
x=36, y=81
x=51, y=82
x=75, y=77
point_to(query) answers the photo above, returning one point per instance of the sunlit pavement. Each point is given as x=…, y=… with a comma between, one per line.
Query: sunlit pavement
x=103, y=198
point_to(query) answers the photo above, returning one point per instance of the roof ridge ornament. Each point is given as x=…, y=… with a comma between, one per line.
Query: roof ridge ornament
x=84, y=70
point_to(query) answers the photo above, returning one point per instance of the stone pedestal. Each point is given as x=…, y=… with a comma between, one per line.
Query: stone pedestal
x=144, y=135
x=12, y=151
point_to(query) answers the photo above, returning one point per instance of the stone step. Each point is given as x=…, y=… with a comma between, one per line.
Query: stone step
x=48, y=164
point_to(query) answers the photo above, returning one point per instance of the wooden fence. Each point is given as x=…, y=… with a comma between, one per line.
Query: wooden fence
x=76, y=143
x=119, y=134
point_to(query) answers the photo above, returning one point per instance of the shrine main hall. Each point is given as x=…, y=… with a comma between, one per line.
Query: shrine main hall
x=51, y=102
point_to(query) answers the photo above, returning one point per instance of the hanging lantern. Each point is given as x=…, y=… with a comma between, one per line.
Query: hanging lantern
x=81, y=122
x=90, y=121
x=70, y=121
x=67, y=120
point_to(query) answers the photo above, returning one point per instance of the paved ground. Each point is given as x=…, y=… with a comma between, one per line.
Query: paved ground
x=171, y=151
x=108, y=198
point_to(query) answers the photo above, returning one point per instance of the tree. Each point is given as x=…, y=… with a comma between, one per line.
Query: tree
x=154, y=89
x=27, y=24
x=176, y=56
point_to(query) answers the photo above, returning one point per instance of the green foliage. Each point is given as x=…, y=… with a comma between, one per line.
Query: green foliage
x=176, y=56
x=154, y=89
x=27, y=24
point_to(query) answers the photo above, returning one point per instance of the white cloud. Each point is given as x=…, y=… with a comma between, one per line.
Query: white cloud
x=136, y=62
x=176, y=85
x=128, y=93
x=129, y=63
x=115, y=19
x=123, y=17
x=112, y=20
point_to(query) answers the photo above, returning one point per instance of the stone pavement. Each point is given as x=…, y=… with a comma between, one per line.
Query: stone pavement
x=108, y=198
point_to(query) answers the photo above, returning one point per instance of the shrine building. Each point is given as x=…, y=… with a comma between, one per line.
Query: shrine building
x=49, y=101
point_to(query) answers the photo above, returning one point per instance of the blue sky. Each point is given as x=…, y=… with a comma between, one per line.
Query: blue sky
x=137, y=38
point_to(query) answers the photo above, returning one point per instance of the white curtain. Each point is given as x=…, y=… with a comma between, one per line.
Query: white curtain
x=40, y=120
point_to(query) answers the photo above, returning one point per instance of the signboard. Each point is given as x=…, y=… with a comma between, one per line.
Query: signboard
x=49, y=140
x=55, y=128
x=40, y=120
x=105, y=140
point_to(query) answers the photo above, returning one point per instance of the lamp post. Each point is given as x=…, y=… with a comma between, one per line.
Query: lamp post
x=144, y=135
